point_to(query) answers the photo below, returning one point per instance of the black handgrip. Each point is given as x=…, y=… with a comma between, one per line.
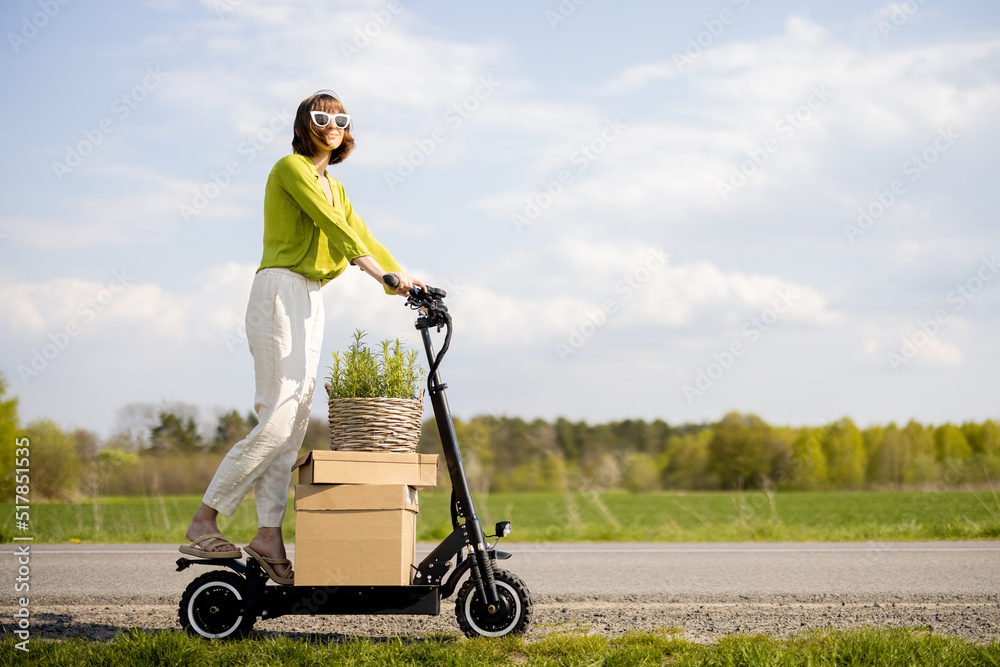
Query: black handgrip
x=390, y=281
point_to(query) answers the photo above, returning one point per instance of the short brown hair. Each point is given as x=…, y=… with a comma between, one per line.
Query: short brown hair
x=307, y=137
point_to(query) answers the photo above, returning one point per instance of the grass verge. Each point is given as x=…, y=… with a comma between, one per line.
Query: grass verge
x=863, y=646
x=555, y=517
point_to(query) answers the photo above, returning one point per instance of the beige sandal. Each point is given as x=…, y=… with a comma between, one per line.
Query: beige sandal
x=266, y=564
x=200, y=550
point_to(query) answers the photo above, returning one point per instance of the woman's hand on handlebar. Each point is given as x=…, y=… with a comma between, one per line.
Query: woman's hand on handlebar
x=368, y=264
x=406, y=281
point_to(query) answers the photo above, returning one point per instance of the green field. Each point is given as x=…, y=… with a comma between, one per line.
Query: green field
x=861, y=647
x=667, y=517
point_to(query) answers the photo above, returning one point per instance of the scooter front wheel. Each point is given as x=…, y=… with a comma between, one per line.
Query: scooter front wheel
x=475, y=619
x=214, y=606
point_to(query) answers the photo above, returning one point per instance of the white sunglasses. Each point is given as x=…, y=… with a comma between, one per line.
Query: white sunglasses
x=322, y=119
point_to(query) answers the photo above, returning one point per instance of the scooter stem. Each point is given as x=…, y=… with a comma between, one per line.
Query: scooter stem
x=465, y=506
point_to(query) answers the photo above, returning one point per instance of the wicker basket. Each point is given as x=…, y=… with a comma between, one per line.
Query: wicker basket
x=375, y=424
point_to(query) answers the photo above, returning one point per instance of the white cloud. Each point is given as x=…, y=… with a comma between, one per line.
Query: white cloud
x=126, y=204
x=694, y=299
x=877, y=103
x=121, y=303
x=939, y=354
x=398, y=74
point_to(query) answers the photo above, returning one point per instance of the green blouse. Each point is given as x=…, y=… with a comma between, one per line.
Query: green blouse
x=302, y=232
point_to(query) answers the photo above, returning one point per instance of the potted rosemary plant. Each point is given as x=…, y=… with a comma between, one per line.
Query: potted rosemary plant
x=375, y=404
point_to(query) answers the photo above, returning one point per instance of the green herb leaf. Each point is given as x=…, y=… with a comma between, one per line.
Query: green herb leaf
x=393, y=372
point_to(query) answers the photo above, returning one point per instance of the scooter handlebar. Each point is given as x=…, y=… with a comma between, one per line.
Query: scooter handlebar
x=416, y=291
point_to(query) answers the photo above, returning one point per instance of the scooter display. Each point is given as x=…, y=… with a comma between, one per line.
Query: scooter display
x=492, y=602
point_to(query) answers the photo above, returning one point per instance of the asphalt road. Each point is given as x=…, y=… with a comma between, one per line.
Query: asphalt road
x=760, y=572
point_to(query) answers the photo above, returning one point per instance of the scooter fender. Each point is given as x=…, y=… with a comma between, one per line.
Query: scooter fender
x=232, y=563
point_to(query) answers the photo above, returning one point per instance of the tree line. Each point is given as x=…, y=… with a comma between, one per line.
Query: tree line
x=168, y=449
x=740, y=451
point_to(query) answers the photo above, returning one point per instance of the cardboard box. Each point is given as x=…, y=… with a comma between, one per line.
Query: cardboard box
x=328, y=467
x=346, y=497
x=354, y=535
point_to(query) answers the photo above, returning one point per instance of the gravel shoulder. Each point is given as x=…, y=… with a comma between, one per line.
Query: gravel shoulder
x=707, y=591
x=703, y=622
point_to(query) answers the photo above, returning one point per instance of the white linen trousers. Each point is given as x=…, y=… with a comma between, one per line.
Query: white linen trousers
x=284, y=324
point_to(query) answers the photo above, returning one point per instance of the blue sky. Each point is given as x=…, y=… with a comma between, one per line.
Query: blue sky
x=640, y=209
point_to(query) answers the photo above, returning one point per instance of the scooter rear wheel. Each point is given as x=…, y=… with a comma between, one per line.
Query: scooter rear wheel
x=474, y=618
x=214, y=606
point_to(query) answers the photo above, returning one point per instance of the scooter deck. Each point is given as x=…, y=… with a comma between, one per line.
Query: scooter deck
x=320, y=600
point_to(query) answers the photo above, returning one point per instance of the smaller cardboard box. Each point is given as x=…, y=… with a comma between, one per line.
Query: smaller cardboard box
x=329, y=467
x=354, y=535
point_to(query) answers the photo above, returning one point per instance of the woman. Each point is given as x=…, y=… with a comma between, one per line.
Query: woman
x=311, y=234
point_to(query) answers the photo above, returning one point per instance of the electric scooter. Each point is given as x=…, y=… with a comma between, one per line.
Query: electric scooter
x=492, y=602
